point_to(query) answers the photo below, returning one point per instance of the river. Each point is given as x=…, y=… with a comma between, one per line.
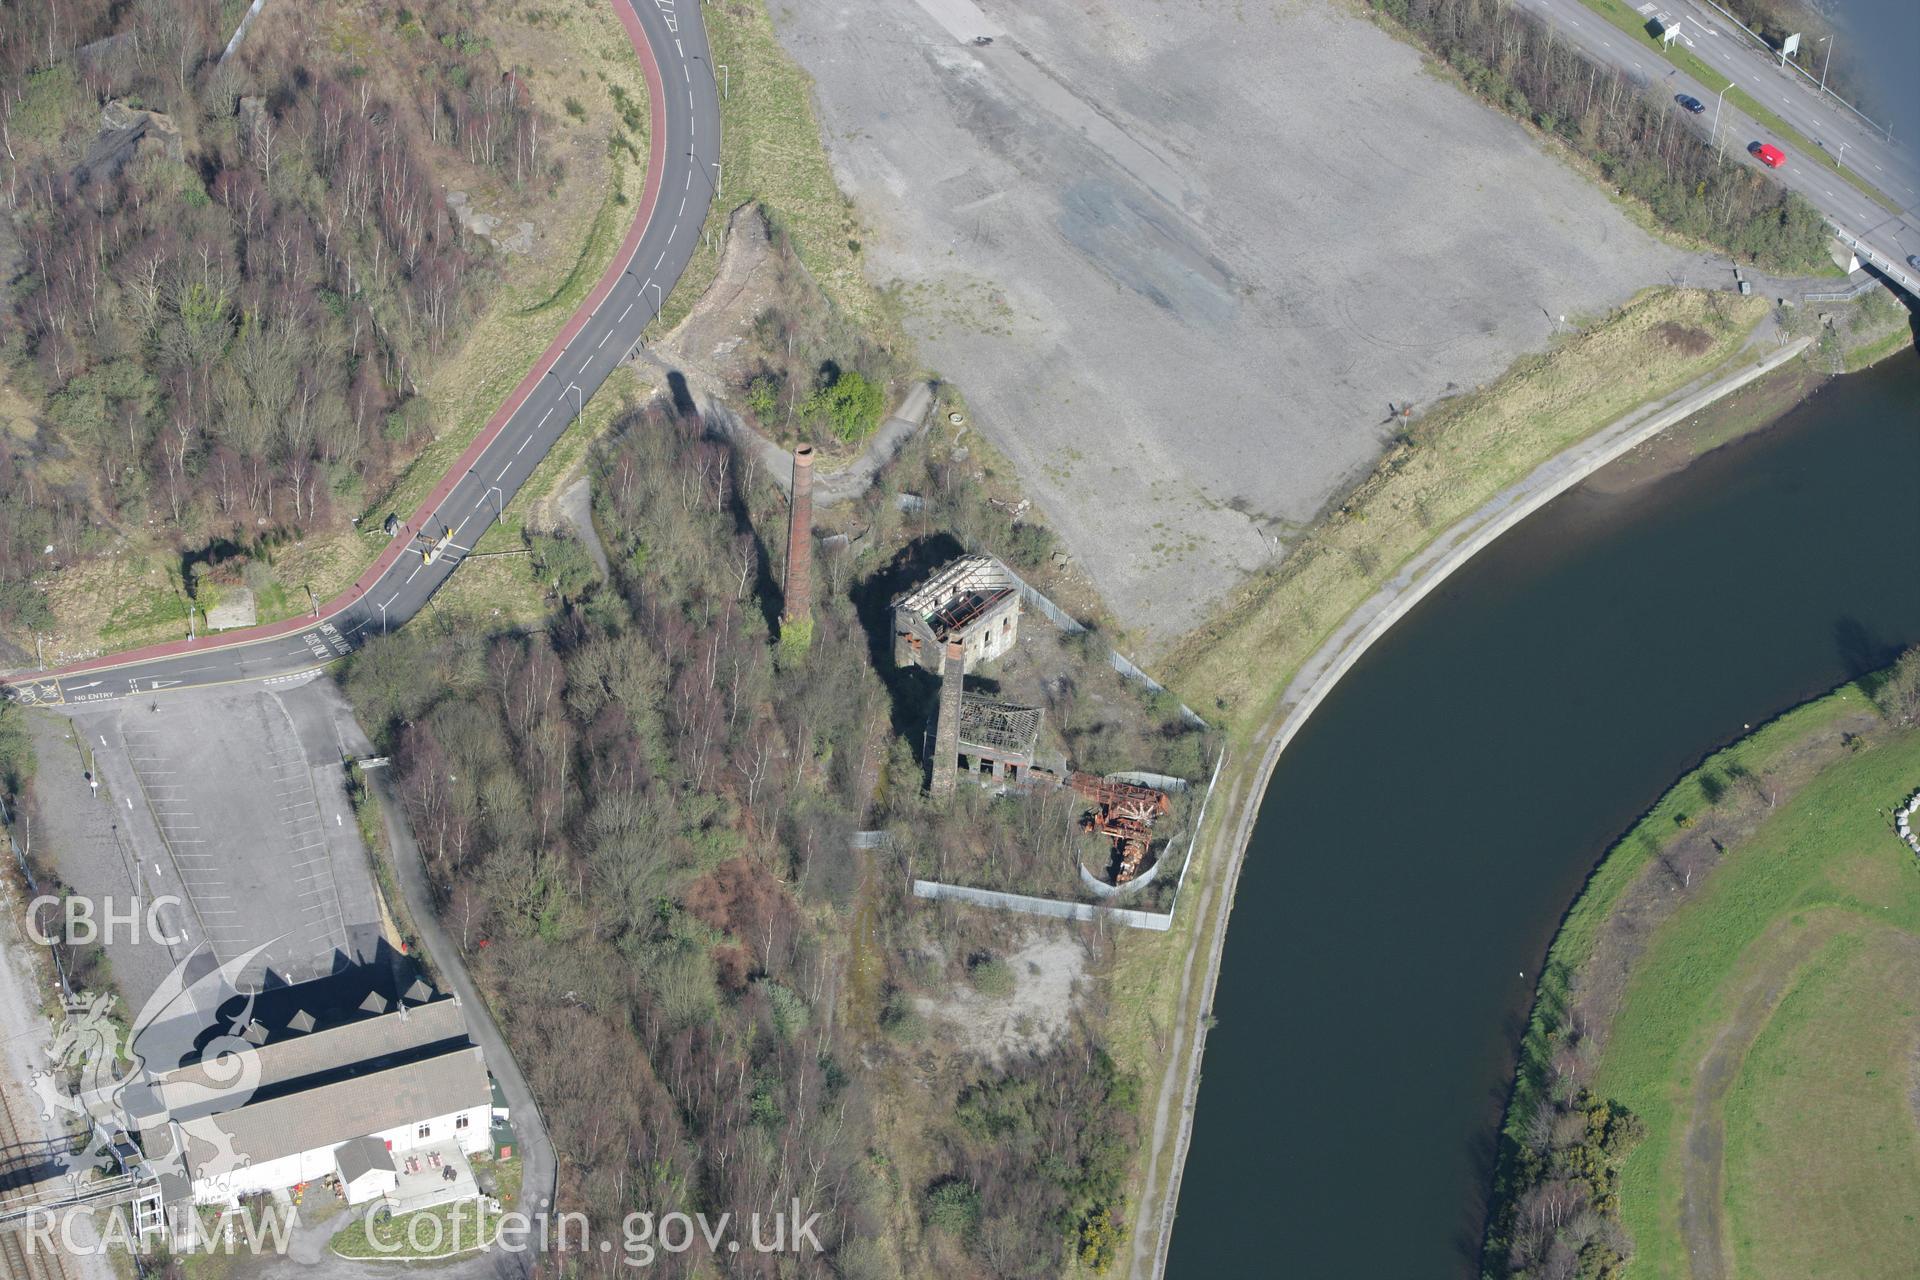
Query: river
x=1428, y=827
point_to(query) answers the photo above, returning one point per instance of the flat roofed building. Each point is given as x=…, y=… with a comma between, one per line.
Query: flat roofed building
x=972, y=600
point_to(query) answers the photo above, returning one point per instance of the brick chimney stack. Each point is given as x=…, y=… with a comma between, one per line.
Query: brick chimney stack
x=799, y=584
x=946, y=730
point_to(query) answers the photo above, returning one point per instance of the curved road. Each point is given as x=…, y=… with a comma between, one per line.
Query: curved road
x=670, y=39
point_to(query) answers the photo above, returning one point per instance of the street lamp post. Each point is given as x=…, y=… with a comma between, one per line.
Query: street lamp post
x=1826, y=61
x=1716, y=118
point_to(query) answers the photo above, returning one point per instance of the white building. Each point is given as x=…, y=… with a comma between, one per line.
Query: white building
x=389, y=1105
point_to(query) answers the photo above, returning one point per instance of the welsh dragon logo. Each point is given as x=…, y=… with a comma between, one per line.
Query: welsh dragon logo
x=153, y=1080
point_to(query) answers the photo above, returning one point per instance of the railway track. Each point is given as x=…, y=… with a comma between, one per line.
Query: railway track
x=18, y=1260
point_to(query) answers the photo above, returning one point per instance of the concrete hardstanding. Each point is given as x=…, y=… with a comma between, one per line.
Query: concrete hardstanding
x=1182, y=257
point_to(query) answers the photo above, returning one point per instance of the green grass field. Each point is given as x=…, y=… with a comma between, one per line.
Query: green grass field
x=1774, y=1018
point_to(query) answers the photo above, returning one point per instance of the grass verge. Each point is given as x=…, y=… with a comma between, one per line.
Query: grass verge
x=1633, y=24
x=1446, y=466
x=771, y=152
x=439, y=1232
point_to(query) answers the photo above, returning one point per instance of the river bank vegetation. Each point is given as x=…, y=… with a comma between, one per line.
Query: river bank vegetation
x=1737, y=978
x=1641, y=143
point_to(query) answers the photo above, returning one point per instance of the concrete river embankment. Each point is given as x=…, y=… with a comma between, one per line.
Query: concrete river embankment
x=1425, y=830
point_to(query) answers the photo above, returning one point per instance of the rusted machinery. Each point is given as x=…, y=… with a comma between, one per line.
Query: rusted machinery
x=1123, y=812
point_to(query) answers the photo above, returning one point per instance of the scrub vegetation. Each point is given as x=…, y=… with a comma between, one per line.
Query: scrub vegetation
x=638, y=822
x=1738, y=978
x=1642, y=143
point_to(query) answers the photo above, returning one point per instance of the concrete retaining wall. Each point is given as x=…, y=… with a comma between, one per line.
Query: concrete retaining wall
x=1053, y=907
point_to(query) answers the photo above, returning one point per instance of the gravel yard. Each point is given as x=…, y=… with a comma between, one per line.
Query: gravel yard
x=1182, y=259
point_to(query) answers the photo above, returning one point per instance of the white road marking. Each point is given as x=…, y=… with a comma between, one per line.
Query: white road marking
x=670, y=230
x=683, y=207
x=503, y=473
x=585, y=363
x=623, y=314
x=602, y=342
x=523, y=445
x=686, y=74
x=544, y=417
x=676, y=47
x=656, y=265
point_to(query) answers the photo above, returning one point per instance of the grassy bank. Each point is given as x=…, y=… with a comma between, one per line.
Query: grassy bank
x=1445, y=466
x=585, y=74
x=1236, y=668
x=772, y=152
x=1754, y=1009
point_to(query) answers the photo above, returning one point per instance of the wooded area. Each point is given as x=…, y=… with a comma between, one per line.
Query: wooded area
x=639, y=823
x=230, y=276
x=1639, y=138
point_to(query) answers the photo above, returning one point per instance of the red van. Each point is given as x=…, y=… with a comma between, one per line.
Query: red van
x=1767, y=154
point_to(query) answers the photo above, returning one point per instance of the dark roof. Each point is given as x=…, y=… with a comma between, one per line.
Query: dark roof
x=362, y=1156
x=304, y=1062
x=284, y=1010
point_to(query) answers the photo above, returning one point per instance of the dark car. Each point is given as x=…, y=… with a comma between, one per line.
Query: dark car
x=1690, y=102
x=1913, y=260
